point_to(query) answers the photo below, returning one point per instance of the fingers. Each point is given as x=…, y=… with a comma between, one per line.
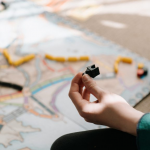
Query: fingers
x=76, y=91
x=77, y=84
x=81, y=85
x=86, y=95
x=91, y=86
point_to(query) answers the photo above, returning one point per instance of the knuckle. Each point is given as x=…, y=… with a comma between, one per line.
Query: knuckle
x=87, y=120
x=91, y=86
x=85, y=112
x=69, y=94
x=82, y=114
x=100, y=96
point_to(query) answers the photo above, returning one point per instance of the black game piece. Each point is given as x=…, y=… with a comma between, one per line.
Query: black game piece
x=1, y=126
x=11, y=85
x=92, y=71
x=145, y=71
x=4, y=4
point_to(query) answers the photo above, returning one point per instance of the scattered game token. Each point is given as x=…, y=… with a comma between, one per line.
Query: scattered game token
x=3, y=6
x=11, y=85
x=116, y=67
x=18, y=62
x=71, y=59
x=126, y=60
x=140, y=65
x=145, y=71
x=121, y=59
x=140, y=72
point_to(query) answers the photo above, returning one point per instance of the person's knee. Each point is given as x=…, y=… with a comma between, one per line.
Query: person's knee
x=61, y=143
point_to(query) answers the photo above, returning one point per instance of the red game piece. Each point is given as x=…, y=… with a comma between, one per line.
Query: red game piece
x=140, y=72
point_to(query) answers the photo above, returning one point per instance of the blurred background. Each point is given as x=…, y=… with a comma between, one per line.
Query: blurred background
x=44, y=43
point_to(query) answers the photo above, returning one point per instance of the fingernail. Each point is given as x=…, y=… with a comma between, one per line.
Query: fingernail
x=85, y=78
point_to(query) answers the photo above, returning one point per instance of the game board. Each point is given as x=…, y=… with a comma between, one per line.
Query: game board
x=34, y=118
x=19, y=8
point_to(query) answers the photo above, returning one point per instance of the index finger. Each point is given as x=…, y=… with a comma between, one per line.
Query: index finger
x=74, y=92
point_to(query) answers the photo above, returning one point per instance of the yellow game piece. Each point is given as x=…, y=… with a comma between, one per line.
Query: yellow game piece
x=23, y=60
x=61, y=59
x=49, y=57
x=7, y=56
x=10, y=61
x=84, y=58
x=72, y=59
x=121, y=59
x=118, y=60
x=28, y=57
x=140, y=65
x=5, y=53
x=116, y=67
x=126, y=60
x=18, y=62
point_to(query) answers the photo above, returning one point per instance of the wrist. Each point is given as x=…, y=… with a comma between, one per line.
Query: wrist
x=131, y=120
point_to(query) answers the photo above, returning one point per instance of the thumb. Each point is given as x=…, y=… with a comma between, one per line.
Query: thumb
x=91, y=86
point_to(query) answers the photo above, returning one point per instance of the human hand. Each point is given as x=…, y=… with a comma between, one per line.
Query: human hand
x=109, y=109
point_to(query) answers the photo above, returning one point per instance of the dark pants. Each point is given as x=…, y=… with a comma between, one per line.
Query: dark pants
x=101, y=139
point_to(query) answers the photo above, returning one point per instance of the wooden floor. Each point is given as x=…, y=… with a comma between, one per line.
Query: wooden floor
x=144, y=105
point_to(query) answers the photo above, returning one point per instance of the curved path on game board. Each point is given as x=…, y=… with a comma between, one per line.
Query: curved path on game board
x=52, y=103
x=50, y=82
x=26, y=75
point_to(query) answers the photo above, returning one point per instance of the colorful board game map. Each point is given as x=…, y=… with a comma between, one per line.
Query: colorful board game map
x=34, y=118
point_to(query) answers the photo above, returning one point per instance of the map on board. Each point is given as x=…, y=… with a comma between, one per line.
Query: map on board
x=34, y=118
x=19, y=8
